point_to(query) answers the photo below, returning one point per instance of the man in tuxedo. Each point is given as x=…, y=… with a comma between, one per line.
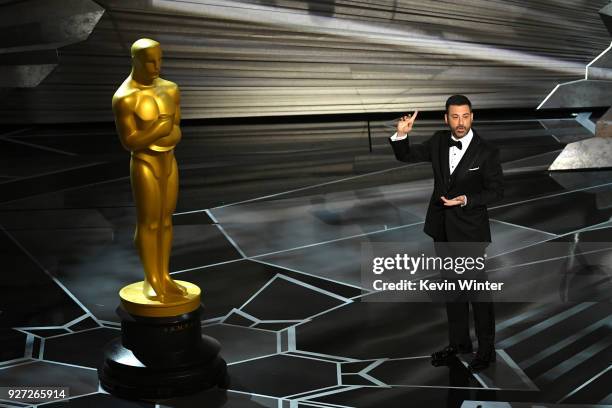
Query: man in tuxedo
x=467, y=178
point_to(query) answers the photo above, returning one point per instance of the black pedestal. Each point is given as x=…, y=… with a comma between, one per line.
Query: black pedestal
x=161, y=357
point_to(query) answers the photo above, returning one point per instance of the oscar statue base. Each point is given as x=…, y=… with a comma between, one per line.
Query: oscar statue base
x=134, y=301
x=161, y=357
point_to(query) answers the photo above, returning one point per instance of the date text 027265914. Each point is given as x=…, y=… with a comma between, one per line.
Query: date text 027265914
x=31, y=394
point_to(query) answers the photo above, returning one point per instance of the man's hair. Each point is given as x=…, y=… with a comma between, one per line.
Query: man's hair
x=458, y=100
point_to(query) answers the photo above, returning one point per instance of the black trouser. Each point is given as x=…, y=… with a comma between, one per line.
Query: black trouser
x=459, y=321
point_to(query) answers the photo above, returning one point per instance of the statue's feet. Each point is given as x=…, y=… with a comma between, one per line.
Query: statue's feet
x=173, y=288
x=149, y=292
x=165, y=291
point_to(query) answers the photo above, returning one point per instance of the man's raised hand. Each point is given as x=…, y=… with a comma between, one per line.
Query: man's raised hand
x=404, y=126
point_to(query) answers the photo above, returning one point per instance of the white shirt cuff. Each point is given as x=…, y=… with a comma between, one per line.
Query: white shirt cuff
x=395, y=137
x=464, y=204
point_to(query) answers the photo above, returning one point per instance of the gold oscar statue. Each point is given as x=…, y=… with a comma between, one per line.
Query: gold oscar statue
x=161, y=352
x=147, y=115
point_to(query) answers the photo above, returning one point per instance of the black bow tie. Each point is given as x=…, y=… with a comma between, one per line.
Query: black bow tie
x=451, y=143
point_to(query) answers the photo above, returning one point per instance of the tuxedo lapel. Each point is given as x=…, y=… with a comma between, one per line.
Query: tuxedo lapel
x=467, y=159
x=444, y=165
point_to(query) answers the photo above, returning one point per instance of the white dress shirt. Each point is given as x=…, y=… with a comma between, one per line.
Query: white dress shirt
x=454, y=153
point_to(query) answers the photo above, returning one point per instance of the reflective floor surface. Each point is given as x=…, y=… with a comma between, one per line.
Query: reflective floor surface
x=270, y=224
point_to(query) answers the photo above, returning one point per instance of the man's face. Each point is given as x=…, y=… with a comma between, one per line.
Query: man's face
x=459, y=119
x=149, y=60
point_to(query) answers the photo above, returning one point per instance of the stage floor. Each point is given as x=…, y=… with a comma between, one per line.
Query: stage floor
x=270, y=223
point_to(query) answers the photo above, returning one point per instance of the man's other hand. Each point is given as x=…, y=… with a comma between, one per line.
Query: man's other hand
x=459, y=200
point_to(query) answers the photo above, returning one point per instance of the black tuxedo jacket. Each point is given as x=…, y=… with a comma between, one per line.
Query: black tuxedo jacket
x=478, y=175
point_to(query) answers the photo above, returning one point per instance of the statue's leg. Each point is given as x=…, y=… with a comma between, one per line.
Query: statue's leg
x=171, y=193
x=145, y=188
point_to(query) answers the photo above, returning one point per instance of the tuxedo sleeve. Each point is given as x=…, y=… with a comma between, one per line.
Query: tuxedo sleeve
x=418, y=152
x=493, y=183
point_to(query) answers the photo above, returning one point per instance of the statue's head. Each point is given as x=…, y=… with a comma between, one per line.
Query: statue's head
x=146, y=58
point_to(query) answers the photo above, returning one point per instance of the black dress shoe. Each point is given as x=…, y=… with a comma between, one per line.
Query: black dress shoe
x=443, y=356
x=480, y=363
